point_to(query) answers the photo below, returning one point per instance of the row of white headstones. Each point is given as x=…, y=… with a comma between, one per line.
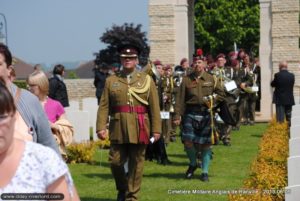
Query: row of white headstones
x=84, y=119
x=293, y=162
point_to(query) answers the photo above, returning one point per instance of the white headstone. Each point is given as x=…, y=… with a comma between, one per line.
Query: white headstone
x=292, y=193
x=295, y=131
x=294, y=147
x=80, y=121
x=296, y=106
x=295, y=112
x=295, y=121
x=74, y=105
x=91, y=105
x=293, y=170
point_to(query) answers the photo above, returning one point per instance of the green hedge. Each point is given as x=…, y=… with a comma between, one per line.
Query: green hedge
x=21, y=83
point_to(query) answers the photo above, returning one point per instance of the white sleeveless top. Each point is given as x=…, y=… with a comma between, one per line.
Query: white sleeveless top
x=39, y=167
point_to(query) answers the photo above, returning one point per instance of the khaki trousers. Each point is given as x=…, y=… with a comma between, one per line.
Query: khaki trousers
x=135, y=154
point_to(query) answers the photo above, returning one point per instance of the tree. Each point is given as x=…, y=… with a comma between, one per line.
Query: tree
x=118, y=37
x=220, y=23
x=72, y=75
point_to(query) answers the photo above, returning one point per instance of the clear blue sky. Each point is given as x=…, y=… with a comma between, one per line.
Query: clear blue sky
x=50, y=31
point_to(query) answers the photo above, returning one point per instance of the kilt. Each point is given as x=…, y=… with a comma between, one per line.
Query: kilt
x=196, y=128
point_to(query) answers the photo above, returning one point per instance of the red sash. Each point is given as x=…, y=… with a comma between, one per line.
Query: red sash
x=140, y=110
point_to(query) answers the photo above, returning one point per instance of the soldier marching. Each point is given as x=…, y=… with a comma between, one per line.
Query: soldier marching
x=129, y=98
x=192, y=112
x=164, y=86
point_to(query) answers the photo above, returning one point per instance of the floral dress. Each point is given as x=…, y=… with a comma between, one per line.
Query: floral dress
x=39, y=167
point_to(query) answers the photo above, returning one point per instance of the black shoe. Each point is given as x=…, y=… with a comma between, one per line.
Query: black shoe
x=245, y=123
x=251, y=123
x=226, y=143
x=190, y=172
x=204, y=177
x=148, y=159
x=121, y=196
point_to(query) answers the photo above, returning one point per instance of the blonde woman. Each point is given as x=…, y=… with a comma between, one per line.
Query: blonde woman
x=38, y=84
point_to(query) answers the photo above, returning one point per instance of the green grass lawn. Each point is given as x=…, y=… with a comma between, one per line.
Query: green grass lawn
x=229, y=167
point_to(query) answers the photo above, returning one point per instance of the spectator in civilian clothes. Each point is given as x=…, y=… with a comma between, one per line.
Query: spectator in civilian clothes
x=283, y=96
x=57, y=87
x=101, y=73
x=60, y=126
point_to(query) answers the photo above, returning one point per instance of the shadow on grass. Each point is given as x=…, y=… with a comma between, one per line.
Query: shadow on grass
x=177, y=155
x=95, y=199
x=166, y=175
x=103, y=164
x=173, y=163
x=257, y=135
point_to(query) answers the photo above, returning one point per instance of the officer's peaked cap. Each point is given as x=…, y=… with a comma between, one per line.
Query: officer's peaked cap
x=129, y=51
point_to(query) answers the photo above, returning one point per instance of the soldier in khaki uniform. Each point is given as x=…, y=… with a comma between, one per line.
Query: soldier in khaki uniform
x=242, y=80
x=223, y=74
x=250, y=97
x=167, y=87
x=157, y=150
x=192, y=112
x=130, y=99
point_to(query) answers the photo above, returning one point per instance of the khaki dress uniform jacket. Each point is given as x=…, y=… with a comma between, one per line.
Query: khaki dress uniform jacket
x=165, y=88
x=124, y=127
x=193, y=89
x=190, y=101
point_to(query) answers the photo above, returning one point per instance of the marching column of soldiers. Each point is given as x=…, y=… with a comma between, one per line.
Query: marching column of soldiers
x=240, y=81
x=207, y=101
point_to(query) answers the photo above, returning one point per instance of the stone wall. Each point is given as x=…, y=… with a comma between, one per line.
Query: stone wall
x=171, y=34
x=162, y=33
x=285, y=33
x=80, y=88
